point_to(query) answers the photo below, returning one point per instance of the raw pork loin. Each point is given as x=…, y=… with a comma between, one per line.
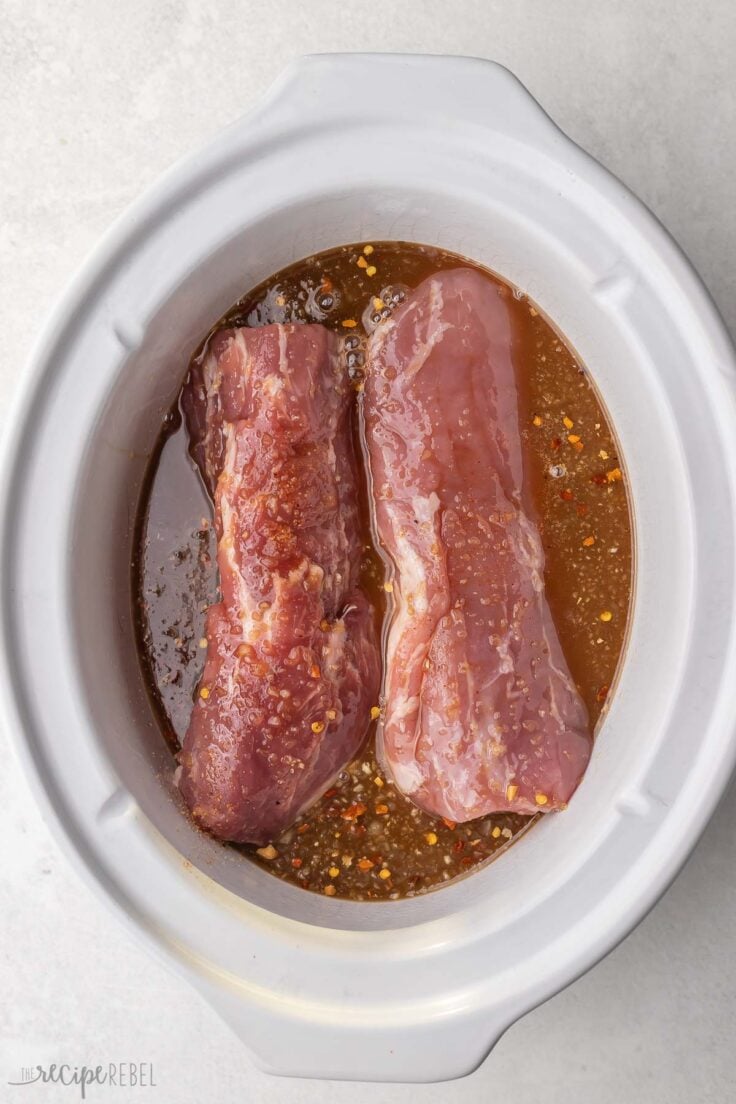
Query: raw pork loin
x=481, y=712
x=292, y=665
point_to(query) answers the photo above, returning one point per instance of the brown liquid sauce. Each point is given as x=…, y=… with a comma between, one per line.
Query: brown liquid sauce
x=363, y=839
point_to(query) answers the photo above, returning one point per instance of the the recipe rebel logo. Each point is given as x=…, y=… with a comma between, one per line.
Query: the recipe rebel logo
x=115, y=1075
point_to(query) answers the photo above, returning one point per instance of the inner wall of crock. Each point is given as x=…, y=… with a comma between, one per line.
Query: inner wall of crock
x=153, y=356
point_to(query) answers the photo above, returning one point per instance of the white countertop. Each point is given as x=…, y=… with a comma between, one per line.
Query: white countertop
x=96, y=98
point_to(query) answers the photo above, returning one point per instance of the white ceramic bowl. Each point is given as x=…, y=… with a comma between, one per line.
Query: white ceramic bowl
x=453, y=152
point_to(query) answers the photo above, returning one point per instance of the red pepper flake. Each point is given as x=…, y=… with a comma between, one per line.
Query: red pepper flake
x=566, y=495
x=458, y=845
x=331, y=792
x=381, y=809
x=599, y=479
x=467, y=861
x=449, y=824
x=302, y=829
x=602, y=694
x=296, y=863
x=354, y=811
x=555, y=443
x=365, y=864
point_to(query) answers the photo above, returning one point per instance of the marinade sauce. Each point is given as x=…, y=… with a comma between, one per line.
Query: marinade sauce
x=363, y=840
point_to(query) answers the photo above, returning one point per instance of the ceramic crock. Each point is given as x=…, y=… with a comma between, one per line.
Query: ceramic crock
x=452, y=152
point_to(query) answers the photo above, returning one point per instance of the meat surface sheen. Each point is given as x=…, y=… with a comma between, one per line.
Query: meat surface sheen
x=481, y=712
x=292, y=666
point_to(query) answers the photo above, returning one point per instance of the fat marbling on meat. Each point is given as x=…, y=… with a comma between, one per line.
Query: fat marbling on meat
x=481, y=713
x=292, y=665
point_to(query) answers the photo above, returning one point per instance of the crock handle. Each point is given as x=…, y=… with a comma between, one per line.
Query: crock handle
x=449, y=1046
x=476, y=90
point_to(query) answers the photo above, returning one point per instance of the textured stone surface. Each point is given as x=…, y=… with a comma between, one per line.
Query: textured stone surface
x=96, y=98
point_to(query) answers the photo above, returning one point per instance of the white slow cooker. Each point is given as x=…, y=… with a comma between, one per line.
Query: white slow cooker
x=452, y=152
